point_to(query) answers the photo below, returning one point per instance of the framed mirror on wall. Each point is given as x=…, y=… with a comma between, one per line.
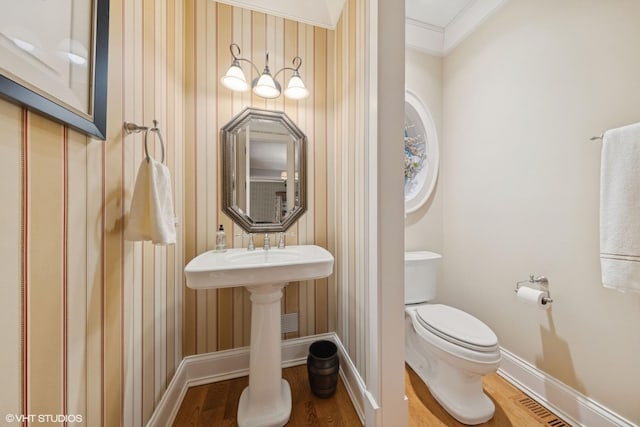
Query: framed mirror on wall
x=421, y=153
x=263, y=170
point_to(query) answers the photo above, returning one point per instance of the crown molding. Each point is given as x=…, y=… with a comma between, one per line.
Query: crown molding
x=424, y=37
x=467, y=21
x=441, y=41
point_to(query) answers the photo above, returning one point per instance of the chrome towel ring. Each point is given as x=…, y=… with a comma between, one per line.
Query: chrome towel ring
x=146, y=135
x=134, y=128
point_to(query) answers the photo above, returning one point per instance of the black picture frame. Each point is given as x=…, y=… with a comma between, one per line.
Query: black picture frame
x=96, y=124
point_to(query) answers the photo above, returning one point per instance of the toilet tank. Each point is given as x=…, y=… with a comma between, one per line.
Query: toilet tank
x=420, y=275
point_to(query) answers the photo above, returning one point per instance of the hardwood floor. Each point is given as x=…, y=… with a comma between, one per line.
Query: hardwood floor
x=513, y=407
x=216, y=404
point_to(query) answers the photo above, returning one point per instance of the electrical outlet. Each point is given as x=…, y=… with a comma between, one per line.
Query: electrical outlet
x=289, y=322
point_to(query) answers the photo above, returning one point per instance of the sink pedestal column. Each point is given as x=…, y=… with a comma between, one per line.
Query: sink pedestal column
x=266, y=402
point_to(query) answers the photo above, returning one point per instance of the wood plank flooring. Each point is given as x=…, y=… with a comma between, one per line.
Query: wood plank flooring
x=513, y=407
x=216, y=404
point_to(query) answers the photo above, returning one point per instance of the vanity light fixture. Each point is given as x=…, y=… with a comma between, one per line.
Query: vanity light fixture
x=265, y=85
x=283, y=176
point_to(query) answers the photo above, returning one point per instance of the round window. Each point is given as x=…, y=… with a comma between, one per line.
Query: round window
x=421, y=155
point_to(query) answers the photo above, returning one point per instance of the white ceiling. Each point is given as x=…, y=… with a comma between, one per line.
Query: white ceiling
x=321, y=13
x=438, y=26
x=432, y=26
x=438, y=13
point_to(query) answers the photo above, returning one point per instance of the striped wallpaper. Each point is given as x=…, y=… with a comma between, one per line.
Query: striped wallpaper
x=332, y=118
x=93, y=325
x=220, y=319
x=347, y=182
x=89, y=320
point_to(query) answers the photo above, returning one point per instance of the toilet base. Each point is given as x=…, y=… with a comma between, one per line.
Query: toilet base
x=458, y=390
x=475, y=407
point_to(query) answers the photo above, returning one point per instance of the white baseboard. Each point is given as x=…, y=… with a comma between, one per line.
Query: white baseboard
x=227, y=364
x=569, y=404
x=572, y=406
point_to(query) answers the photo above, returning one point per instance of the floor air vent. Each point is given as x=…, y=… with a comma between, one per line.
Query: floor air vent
x=540, y=412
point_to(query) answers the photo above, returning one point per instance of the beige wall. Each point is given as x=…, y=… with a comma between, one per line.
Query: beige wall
x=520, y=180
x=423, y=74
x=88, y=320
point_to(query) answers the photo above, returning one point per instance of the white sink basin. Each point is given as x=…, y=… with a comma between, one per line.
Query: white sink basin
x=266, y=402
x=240, y=267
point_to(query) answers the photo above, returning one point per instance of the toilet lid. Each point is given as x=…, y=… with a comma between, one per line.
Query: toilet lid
x=457, y=327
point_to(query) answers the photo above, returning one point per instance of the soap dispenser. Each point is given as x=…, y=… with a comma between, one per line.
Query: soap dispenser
x=221, y=240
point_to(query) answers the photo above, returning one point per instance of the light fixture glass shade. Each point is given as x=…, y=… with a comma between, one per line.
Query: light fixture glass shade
x=295, y=88
x=266, y=87
x=234, y=79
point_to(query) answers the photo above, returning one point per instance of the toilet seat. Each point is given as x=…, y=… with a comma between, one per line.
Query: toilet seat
x=457, y=327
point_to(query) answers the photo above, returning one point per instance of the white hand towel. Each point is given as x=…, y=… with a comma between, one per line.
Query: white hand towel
x=151, y=215
x=620, y=209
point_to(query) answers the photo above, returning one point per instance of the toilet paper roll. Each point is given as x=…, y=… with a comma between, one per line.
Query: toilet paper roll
x=533, y=297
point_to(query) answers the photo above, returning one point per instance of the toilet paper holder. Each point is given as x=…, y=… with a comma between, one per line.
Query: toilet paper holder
x=542, y=284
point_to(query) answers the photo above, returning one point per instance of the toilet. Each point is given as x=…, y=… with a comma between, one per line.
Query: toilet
x=449, y=349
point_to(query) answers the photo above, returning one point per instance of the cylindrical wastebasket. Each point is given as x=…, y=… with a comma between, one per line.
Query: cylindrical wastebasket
x=322, y=366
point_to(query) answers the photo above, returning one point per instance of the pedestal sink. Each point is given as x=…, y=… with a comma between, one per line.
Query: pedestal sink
x=266, y=401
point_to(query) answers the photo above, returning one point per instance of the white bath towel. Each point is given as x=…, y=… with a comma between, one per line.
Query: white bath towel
x=151, y=216
x=620, y=209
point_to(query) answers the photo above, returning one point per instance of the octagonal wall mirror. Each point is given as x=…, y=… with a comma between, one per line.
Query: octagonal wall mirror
x=263, y=171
